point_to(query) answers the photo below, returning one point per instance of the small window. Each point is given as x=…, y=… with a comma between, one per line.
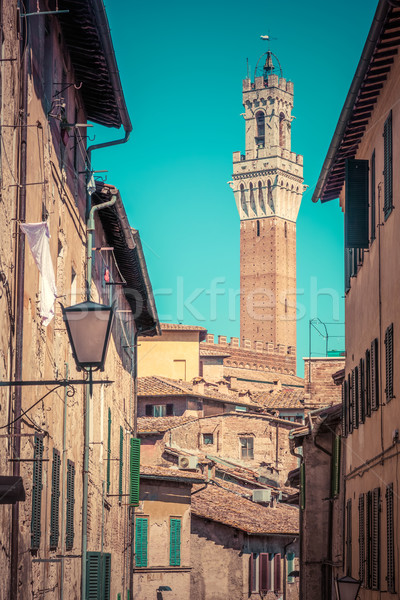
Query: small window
x=159, y=410
x=285, y=227
x=260, y=122
x=247, y=448
x=241, y=408
x=258, y=228
x=141, y=536
x=175, y=543
x=388, y=167
x=282, y=139
x=208, y=438
x=170, y=410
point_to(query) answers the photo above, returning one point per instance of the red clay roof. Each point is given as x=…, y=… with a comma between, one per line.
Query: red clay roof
x=169, y=473
x=286, y=398
x=160, y=424
x=233, y=510
x=181, y=327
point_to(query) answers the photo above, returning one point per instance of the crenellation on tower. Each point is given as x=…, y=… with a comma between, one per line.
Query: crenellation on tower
x=268, y=187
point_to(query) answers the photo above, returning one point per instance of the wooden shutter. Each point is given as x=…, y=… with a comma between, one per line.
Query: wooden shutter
x=55, y=500
x=69, y=540
x=368, y=548
x=175, y=543
x=121, y=462
x=109, y=451
x=361, y=538
x=290, y=566
x=350, y=403
x=390, y=575
x=141, y=542
x=149, y=410
x=106, y=576
x=265, y=572
x=389, y=362
x=344, y=409
x=170, y=410
x=277, y=573
x=367, y=383
x=361, y=391
x=134, y=472
x=355, y=396
x=372, y=219
x=37, y=492
x=387, y=166
x=347, y=269
x=302, y=486
x=335, y=480
x=356, y=234
x=348, y=537
x=252, y=573
x=374, y=370
x=376, y=539
x=93, y=576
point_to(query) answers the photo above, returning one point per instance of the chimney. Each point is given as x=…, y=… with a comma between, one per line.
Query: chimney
x=222, y=339
x=210, y=338
x=198, y=385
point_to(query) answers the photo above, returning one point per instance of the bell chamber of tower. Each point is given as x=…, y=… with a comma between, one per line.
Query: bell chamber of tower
x=268, y=187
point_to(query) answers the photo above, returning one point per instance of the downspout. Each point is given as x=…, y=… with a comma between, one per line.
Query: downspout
x=64, y=495
x=285, y=567
x=20, y=277
x=90, y=228
x=132, y=509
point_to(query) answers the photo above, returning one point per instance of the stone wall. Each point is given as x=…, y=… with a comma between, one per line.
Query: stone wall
x=319, y=387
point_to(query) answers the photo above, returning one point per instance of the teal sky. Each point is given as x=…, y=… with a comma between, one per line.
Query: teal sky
x=182, y=66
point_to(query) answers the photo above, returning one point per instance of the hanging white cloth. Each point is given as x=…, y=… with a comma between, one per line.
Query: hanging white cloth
x=37, y=235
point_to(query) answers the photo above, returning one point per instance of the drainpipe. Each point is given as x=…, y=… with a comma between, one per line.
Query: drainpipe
x=132, y=509
x=20, y=277
x=89, y=255
x=64, y=495
x=285, y=567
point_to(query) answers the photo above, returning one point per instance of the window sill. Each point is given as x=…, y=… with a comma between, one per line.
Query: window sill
x=167, y=569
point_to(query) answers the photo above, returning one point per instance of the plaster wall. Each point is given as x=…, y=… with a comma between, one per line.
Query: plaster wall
x=174, y=354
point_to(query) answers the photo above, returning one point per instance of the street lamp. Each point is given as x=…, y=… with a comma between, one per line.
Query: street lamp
x=89, y=326
x=347, y=588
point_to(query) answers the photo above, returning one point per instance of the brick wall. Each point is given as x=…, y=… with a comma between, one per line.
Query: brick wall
x=319, y=387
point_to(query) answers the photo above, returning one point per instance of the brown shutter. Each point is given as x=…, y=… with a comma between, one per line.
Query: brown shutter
x=350, y=402
x=265, y=572
x=344, y=409
x=389, y=362
x=348, y=537
x=356, y=398
x=367, y=379
x=354, y=406
x=368, y=546
x=252, y=567
x=361, y=392
x=390, y=539
x=387, y=167
x=376, y=534
x=374, y=375
x=361, y=538
x=277, y=573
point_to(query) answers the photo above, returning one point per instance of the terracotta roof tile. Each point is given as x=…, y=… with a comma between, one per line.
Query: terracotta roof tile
x=285, y=398
x=263, y=376
x=161, y=424
x=233, y=510
x=169, y=472
x=181, y=327
x=212, y=352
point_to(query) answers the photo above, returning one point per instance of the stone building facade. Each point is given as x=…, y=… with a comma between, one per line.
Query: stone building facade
x=268, y=187
x=65, y=74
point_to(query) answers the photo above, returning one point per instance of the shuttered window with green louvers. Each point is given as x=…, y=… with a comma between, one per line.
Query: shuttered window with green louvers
x=109, y=451
x=55, y=500
x=374, y=372
x=121, y=462
x=335, y=481
x=290, y=566
x=388, y=166
x=134, y=472
x=376, y=539
x=37, y=492
x=141, y=536
x=98, y=577
x=356, y=222
x=389, y=363
x=69, y=540
x=390, y=575
x=175, y=543
x=361, y=538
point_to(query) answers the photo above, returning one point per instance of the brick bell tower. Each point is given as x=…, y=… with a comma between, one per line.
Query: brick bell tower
x=268, y=187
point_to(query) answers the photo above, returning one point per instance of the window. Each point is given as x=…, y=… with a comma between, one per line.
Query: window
x=36, y=492
x=121, y=462
x=356, y=233
x=159, y=410
x=175, y=542
x=265, y=572
x=361, y=391
x=372, y=196
x=374, y=375
x=367, y=384
x=258, y=228
x=55, y=500
x=247, y=448
x=208, y=438
x=376, y=539
x=269, y=193
x=389, y=363
x=350, y=404
x=134, y=475
x=354, y=395
x=260, y=196
x=141, y=537
x=69, y=540
x=109, y=451
x=348, y=536
x=387, y=167
x=285, y=229
x=282, y=139
x=98, y=576
x=260, y=123
x=390, y=578
x=290, y=566
x=179, y=369
x=241, y=408
x=361, y=539
x=345, y=422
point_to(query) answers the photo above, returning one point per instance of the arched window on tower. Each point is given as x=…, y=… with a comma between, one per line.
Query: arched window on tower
x=252, y=199
x=260, y=122
x=282, y=139
x=285, y=229
x=261, y=197
x=269, y=194
x=243, y=198
x=258, y=228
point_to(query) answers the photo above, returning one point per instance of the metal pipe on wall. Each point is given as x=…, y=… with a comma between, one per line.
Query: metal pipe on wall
x=64, y=487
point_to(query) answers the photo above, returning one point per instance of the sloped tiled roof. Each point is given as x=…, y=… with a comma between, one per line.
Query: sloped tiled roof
x=263, y=376
x=169, y=473
x=212, y=352
x=233, y=510
x=181, y=327
x=161, y=424
x=285, y=398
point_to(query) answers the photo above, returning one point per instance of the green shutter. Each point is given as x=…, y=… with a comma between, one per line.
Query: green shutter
x=175, y=543
x=98, y=577
x=108, y=450
x=134, y=472
x=69, y=541
x=387, y=167
x=290, y=566
x=55, y=500
x=141, y=542
x=373, y=226
x=121, y=461
x=335, y=484
x=302, y=486
x=356, y=233
x=37, y=492
x=106, y=576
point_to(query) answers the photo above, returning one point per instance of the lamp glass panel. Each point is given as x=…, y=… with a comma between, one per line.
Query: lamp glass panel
x=348, y=589
x=88, y=332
